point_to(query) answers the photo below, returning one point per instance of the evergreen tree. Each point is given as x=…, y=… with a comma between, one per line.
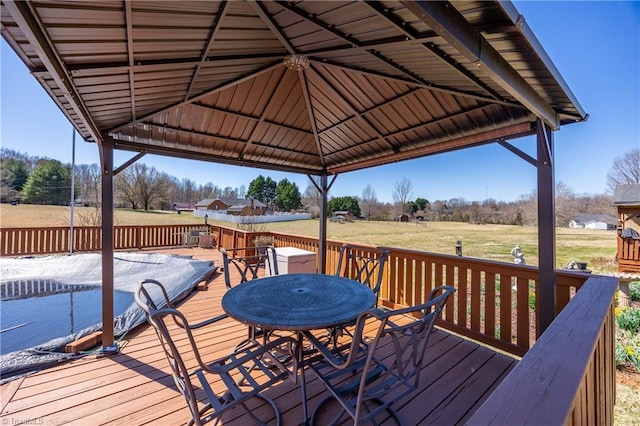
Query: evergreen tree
x=17, y=170
x=347, y=203
x=287, y=196
x=262, y=189
x=50, y=183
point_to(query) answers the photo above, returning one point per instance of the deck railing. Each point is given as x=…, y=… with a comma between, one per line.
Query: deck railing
x=53, y=240
x=628, y=255
x=495, y=304
x=568, y=376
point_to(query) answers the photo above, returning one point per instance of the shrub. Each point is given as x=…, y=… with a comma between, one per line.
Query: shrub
x=628, y=319
x=532, y=299
x=634, y=289
x=263, y=240
x=628, y=350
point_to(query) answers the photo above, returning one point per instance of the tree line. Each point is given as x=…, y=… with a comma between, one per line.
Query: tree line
x=45, y=181
x=35, y=180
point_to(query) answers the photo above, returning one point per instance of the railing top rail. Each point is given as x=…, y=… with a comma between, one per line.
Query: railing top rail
x=541, y=389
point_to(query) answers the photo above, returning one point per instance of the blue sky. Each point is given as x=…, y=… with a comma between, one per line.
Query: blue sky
x=594, y=45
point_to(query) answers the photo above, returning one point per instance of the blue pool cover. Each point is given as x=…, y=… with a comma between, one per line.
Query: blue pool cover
x=48, y=302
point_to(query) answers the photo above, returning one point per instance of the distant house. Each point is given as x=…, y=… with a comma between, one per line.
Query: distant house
x=594, y=221
x=183, y=207
x=233, y=206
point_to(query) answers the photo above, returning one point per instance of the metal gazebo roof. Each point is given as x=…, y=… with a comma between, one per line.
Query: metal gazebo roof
x=315, y=87
x=385, y=81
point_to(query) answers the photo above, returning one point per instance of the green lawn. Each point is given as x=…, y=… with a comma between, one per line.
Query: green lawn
x=494, y=242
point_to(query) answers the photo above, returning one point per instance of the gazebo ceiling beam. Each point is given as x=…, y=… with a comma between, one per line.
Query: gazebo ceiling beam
x=411, y=129
x=413, y=77
x=155, y=65
x=128, y=18
x=423, y=85
x=241, y=142
x=409, y=92
x=215, y=27
x=480, y=138
x=312, y=117
x=382, y=11
x=453, y=27
x=261, y=119
x=250, y=117
x=273, y=26
x=380, y=43
x=177, y=152
x=221, y=87
x=355, y=113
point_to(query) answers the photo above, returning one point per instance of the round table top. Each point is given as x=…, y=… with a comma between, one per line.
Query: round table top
x=298, y=301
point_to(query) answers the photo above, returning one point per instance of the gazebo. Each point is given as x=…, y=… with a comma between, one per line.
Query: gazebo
x=319, y=88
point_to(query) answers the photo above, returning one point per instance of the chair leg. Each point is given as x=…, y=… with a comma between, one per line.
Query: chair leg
x=268, y=401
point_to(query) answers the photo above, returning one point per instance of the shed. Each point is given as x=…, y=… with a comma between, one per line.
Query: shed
x=626, y=198
x=183, y=207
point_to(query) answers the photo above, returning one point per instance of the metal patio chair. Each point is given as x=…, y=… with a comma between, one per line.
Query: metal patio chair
x=363, y=265
x=236, y=370
x=249, y=261
x=366, y=379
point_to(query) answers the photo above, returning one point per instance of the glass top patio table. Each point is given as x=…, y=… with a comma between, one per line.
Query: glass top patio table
x=298, y=302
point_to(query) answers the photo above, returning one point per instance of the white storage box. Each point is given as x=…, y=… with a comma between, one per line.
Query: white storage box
x=292, y=260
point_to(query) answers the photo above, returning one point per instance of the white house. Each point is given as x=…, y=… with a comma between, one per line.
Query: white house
x=594, y=221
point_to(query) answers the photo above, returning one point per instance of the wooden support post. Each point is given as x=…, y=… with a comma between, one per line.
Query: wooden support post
x=546, y=229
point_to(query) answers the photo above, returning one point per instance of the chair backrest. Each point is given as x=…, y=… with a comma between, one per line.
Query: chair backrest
x=363, y=265
x=157, y=317
x=407, y=330
x=227, y=369
x=248, y=261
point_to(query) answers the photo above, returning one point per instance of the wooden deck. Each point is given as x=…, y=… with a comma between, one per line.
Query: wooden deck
x=135, y=386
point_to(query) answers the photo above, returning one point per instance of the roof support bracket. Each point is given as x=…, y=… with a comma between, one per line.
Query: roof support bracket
x=129, y=162
x=526, y=157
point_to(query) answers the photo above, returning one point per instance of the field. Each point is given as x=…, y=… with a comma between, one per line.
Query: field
x=493, y=242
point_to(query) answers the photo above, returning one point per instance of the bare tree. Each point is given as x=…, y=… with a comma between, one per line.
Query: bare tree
x=311, y=196
x=229, y=192
x=241, y=191
x=566, y=205
x=625, y=170
x=368, y=202
x=89, y=177
x=402, y=192
x=141, y=186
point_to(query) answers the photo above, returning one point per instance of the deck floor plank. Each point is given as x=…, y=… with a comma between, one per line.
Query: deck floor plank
x=135, y=386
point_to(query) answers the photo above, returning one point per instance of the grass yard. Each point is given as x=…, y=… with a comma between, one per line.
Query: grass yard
x=494, y=242
x=27, y=215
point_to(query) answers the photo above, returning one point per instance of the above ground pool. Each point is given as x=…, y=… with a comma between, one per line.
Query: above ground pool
x=50, y=301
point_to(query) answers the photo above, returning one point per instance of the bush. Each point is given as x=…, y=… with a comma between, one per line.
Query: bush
x=634, y=289
x=628, y=319
x=628, y=350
